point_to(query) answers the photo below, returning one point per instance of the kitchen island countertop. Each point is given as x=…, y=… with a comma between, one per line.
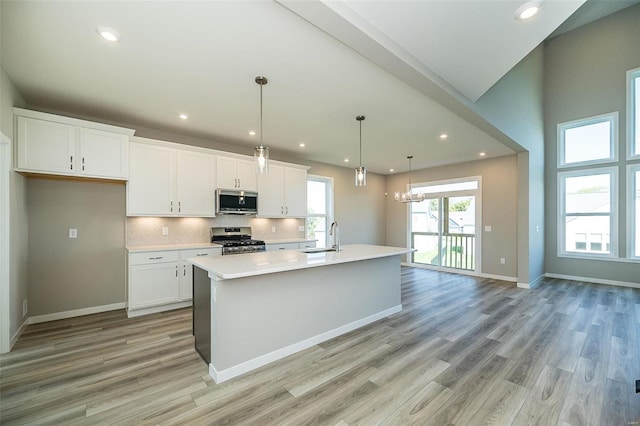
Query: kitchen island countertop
x=252, y=264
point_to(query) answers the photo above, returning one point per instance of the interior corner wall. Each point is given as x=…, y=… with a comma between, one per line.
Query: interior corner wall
x=18, y=233
x=585, y=75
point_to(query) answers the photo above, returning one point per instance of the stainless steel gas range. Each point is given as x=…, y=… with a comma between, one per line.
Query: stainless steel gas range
x=236, y=240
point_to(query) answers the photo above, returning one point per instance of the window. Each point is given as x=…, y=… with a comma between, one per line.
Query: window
x=633, y=108
x=633, y=210
x=588, y=141
x=319, y=208
x=587, y=219
x=443, y=227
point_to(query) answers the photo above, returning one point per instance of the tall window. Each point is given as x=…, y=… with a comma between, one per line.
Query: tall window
x=633, y=203
x=587, y=213
x=588, y=141
x=319, y=208
x=633, y=107
x=587, y=220
x=443, y=227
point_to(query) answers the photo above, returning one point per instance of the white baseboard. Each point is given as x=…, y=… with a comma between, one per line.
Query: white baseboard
x=462, y=272
x=155, y=309
x=524, y=285
x=18, y=333
x=75, y=313
x=594, y=280
x=252, y=364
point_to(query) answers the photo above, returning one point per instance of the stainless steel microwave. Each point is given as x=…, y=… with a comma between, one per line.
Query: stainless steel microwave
x=233, y=201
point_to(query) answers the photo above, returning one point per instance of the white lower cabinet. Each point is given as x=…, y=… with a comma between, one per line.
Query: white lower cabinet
x=152, y=285
x=162, y=280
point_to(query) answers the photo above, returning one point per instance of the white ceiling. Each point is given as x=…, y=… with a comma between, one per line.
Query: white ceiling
x=201, y=58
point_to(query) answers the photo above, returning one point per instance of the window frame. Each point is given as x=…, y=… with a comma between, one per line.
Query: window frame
x=613, y=215
x=329, y=194
x=632, y=169
x=611, y=117
x=632, y=103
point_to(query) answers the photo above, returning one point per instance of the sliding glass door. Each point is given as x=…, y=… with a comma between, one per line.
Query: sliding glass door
x=443, y=228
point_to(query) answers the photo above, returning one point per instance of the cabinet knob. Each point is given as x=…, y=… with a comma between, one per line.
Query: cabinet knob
x=171, y=207
x=286, y=210
x=82, y=163
x=179, y=207
x=71, y=162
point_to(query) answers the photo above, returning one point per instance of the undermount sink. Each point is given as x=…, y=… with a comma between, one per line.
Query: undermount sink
x=319, y=250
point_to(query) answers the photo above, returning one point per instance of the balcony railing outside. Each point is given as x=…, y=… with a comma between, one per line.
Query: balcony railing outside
x=455, y=251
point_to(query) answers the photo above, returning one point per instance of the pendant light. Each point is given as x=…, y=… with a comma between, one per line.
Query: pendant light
x=409, y=196
x=361, y=172
x=261, y=153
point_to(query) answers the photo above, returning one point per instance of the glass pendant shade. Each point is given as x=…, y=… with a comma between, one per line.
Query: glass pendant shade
x=361, y=176
x=361, y=172
x=261, y=153
x=261, y=157
x=409, y=196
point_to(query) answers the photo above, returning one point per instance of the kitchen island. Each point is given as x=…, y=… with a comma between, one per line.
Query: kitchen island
x=252, y=309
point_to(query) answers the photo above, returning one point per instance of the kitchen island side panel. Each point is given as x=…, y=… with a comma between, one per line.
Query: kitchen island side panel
x=202, y=312
x=257, y=315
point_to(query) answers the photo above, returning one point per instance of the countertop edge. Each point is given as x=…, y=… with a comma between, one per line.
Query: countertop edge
x=169, y=247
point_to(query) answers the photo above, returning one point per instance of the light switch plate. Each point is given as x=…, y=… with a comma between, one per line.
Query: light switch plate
x=73, y=233
x=487, y=228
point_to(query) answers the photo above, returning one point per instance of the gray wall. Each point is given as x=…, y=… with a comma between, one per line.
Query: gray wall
x=585, y=75
x=67, y=274
x=18, y=247
x=499, y=209
x=515, y=106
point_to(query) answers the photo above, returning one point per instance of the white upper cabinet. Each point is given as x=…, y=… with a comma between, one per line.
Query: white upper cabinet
x=235, y=173
x=282, y=192
x=103, y=153
x=195, y=193
x=151, y=178
x=271, y=192
x=45, y=146
x=51, y=144
x=295, y=192
x=170, y=182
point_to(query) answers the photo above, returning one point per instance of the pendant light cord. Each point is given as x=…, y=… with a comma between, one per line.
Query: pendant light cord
x=360, y=143
x=261, y=115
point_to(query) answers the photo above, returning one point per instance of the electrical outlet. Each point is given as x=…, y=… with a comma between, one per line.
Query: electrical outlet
x=24, y=307
x=301, y=228
x=487, y=228
x=273, y=229
x=73, y=233
x=165, y=230
x=503, y=261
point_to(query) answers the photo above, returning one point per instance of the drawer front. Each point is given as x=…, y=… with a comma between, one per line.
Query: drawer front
x=150, y=257
x=188, y=254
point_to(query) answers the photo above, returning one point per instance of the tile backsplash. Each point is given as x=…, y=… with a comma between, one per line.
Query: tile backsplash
x=143, y=231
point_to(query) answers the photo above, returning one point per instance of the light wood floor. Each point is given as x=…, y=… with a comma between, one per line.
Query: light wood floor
x=463, y=351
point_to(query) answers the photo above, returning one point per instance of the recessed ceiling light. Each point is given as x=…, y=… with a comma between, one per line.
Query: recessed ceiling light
x=108, y=34
x=346, y=160
x=252, y=133
x=528, y=10
x=183, y=116
x=391, y=170
x=301, y=145
x=444, y=136
x=482, y=154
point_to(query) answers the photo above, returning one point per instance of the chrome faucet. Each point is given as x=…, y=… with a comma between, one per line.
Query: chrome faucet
x=335, y=232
